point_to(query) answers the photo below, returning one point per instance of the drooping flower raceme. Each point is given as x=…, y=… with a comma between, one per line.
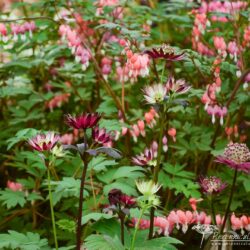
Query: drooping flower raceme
x=236, y=156
x=44, y=142
x=211, y=185
x=84, y=121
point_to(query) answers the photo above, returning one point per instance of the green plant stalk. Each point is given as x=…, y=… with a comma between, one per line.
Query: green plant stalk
x=156, y=172
x=229, y=201
x=132, y=247
x=52, y=211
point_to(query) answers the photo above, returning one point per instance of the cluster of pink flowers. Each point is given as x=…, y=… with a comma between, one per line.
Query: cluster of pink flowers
x=226, y=7
x=239, y=223
x=57, y=101
x=138, y=128
x=73, y=39
x=246, y=37
x=14, y=186
x=209, y=97
x=176, y=219
x=232, y=132
x=199, y=28
x=117, y=12
x=106, y=66
x=184, y=219
x=16, y=30
x=135, y=66
x=217, y=111
x=220, y=48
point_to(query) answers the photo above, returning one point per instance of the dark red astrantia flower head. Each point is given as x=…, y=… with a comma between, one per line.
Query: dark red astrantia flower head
x=84, y=121
x=166, y=52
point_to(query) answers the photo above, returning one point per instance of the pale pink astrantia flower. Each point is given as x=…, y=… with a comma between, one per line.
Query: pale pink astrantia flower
x=236, y=156
x=44, y=142
x=155, y=94
x=147, y=158
x=212, y=185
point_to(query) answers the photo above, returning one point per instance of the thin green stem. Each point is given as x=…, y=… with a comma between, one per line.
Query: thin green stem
x=163, y=71
x=132, y=247
x=229, y=201
x=156, y=172
x=52, y=211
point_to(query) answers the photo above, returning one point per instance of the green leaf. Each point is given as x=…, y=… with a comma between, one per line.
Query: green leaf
x=28, y=241
x=67, y=225
x=12, y=198
x=21, y=135
x=95, y=217
x=97, y=242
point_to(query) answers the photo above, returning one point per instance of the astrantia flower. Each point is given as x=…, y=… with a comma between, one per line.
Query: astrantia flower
x=84, y=121
x=236, y=156
x=147, y=188
x=44, y=142
x=165, y=52
x=147, y=158
x=155, y=94
x=211, y=185
x=177, y=86
x=101, y=135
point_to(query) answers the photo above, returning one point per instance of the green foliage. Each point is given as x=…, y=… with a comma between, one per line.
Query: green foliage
x=12, y=198
x=29, y=241
x=180, y=180
x=97, y=242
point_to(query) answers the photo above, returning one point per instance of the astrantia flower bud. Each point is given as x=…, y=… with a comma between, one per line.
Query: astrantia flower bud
x=236, y=156
x=57, y=151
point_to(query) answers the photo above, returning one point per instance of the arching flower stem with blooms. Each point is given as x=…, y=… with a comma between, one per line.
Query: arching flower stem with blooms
x=156, y=170
x=236, y=156
x=83, y=122
x=44, y=143
x=146, y=201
